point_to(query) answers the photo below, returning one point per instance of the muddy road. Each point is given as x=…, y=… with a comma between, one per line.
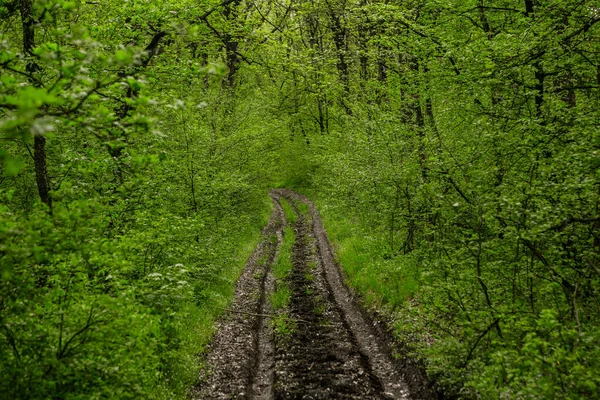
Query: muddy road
x=316, y=343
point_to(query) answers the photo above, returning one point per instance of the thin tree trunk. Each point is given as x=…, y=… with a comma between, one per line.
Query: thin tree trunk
x=231, y=45
x=341, y=46
x=529, y=8
x=540, y=77
x=419, y=124
x=41, y=172
x=39, y=141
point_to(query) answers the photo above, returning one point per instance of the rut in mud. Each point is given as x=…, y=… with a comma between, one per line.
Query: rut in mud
x=326, y=348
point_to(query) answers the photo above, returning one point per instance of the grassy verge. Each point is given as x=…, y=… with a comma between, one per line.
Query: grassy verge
x=383, y=282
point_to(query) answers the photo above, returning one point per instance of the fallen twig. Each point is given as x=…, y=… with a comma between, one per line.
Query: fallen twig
x=266, y=315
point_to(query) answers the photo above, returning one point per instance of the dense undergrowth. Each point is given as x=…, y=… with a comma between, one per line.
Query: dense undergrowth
x=90, y=312
x=128, y=203
x=452, y=149
x=456, y=296
x=541, y=348
x=451, y=145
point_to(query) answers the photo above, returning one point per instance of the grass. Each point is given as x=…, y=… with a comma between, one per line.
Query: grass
x=283, y=265
x=320, y=306
x=382, y=281
x=281, y=270
x=288, y=210
x=282, y=325
x=281, y=297
x=303, y=208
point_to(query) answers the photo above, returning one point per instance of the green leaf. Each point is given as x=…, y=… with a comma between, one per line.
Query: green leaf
x=69, y=5
x=12, y=167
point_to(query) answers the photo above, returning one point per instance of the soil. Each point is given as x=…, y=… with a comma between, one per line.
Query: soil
x=332, y=348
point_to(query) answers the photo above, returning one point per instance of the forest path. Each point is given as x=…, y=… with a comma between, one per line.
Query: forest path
x=326, y=348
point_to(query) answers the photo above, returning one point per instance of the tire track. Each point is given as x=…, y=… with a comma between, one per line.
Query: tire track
x=333, y=351
x=264, y=372
x=239, y=345
x=350, y=360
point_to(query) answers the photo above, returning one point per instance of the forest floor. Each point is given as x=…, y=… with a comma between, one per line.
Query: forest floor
x=316, y=344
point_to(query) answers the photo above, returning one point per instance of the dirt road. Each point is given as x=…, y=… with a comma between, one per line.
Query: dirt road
x=330, y=347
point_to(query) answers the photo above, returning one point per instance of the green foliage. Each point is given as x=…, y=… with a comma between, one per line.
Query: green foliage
x=452, y=146
x=280, y=298
x=60, y=314
x=282, y=325
x=290, y=214
x=155, y=198
x=548, y=348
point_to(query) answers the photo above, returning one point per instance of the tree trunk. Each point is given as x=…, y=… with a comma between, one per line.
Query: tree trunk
x=529, y=8
x=540, y=76
x=39, y=141
x=341, y=46
x=231, y=45
x=41, y=173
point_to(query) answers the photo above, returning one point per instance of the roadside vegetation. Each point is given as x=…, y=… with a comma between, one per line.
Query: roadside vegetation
x=451, y=146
